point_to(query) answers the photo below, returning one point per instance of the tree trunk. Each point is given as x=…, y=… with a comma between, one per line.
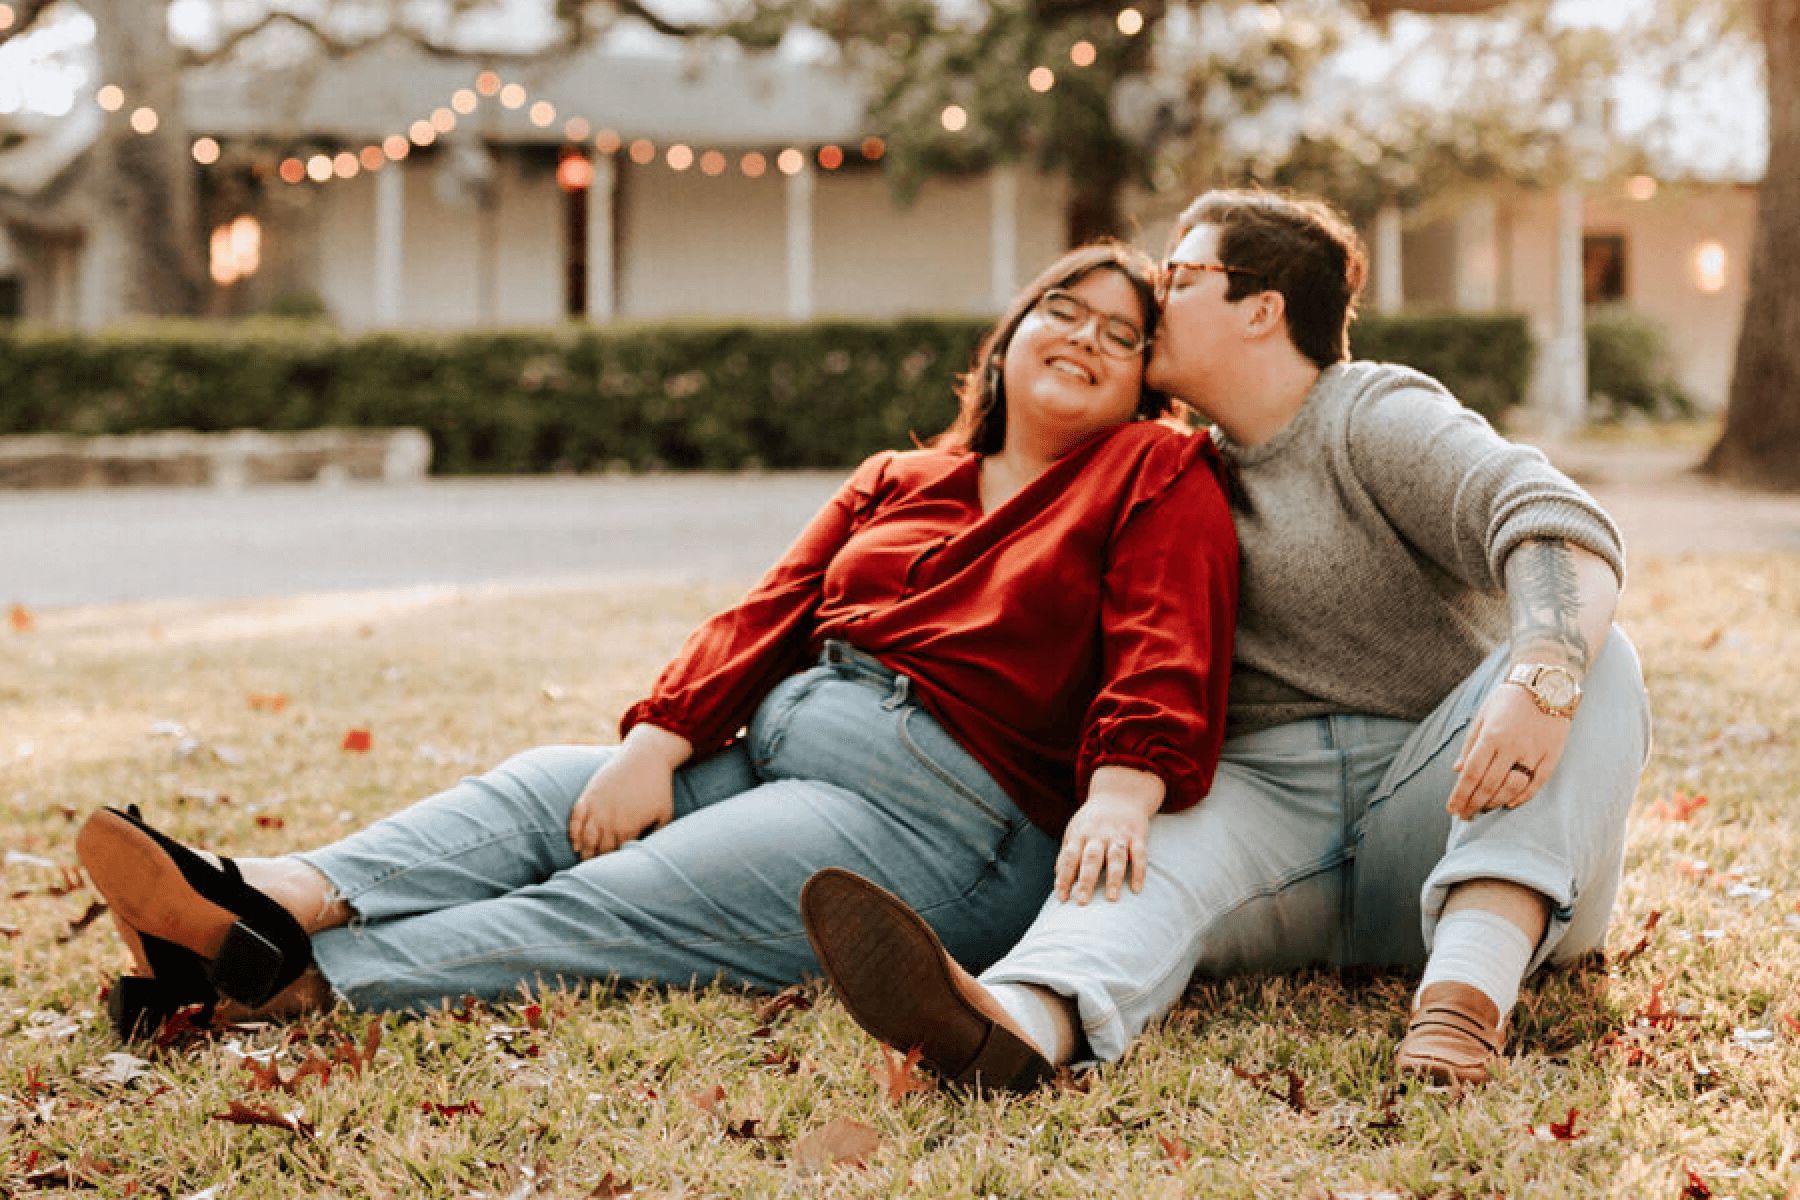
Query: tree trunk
x=1760, y=445
x=144, y=224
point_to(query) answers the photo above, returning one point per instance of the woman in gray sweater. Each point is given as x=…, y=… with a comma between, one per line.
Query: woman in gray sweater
x=1434, y=730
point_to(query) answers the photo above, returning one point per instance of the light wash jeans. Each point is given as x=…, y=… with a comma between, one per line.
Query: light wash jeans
x=477, y=892
x=1326, y=841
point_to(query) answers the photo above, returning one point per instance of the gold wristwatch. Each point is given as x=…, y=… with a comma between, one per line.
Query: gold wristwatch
x=1554, y=689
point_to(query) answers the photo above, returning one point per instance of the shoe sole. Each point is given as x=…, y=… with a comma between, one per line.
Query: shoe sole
x=146, y=891
x=879, y=978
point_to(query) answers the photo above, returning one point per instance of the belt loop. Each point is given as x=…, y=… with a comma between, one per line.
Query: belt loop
x=897, y=697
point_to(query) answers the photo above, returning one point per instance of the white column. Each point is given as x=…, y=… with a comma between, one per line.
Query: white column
x=1003, y=263
x=1390, y=287
x=1477, y=256
x=601, y=284
x=800, y=187
x=1568, y=347
x=390, y=238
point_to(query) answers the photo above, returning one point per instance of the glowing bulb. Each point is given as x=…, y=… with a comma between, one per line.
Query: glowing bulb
x=443, y=120
x=574, y=173
x=246, y=244
x=873, y=148
x=512, y=95
x=790, y=161
x=608, y=141
x=145, y=120
x=1041, y=79
x=422, y=133
x=222, y=266
x=344, y=165
x=111, y=97
x=292, y=170
x=371, y=158
x=955, y=118
x=487, y=83
x=643, y=152
x=395, y=147
x=318, y=168
x=831, y=157
x=206, y=151
x=1131, y=22
x=1083, y=54
x=464, y=101
x=712, y=163
x=753, y=165
x=1641, y=187
x=1709, y=267
x=680, y=157
x=576, y=129
x=7, y=17
x=542, y=114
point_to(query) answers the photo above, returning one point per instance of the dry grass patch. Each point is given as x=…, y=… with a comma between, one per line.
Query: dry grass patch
x=1672, y=1071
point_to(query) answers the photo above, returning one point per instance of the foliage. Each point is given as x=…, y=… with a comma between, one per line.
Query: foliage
x=820, y=394
x=1680, y=1056
x=1630, y=367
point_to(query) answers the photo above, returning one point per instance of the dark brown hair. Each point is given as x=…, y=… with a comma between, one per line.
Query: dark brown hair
x=980, y=423
x=1299, y=246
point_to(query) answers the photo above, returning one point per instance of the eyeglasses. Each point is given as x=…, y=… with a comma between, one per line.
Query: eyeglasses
x=1173, y=272
x=1068, y=312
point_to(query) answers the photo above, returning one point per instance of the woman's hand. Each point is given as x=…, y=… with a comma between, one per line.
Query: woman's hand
x=631, y=795
x=1509, y=733
x=1107, y=835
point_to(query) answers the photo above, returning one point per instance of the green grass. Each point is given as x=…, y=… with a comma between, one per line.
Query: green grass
x=1258, y=1086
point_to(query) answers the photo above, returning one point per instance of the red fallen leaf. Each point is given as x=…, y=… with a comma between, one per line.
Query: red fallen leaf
x=710, y=1099
x=611, y=1189
x=1175, y=1148
x=452, y=1110
x=1696, y=1188
x=1564, y=1131
x=1657, y=1014
x=897, y=1075
x=21, y=619
x=1294, y=1096
x=272, y=702
x=1643, y=943
x=793, y=998
x=1679, y=807
x=471, y=1007
x=840, y=1140
x=240, y=1113
x=1690, y=868
x=270, y=821
x=268, y=1078
x=1389, y=1119
x=10, y=931
x=357, y=741
x=94, y=912
x=534, y=1016
x=745, y=1131
x=347, y=1055
x=781, y=1062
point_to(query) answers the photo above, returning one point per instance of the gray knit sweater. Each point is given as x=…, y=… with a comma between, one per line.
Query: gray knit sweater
x=1374, y=530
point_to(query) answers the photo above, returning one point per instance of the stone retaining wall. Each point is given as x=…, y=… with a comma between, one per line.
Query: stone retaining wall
x=224, y=460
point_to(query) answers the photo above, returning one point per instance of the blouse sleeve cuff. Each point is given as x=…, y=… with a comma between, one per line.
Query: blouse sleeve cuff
x=1185, y=781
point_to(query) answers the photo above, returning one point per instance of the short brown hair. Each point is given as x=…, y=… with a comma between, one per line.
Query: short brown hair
x=1299, y=246
x=980, y=423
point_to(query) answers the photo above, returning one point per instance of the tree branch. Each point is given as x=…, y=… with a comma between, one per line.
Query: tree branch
x=25, y=15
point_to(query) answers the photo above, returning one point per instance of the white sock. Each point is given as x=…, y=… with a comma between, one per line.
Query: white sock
x=1482, y=949
x=1030, y=1011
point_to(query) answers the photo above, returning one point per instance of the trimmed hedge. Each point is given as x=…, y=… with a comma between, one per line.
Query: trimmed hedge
x=688, y=396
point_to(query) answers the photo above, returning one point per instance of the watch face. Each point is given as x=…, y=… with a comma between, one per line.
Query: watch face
x=1556, y=688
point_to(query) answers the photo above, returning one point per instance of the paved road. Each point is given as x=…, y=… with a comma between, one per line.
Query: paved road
x=105, y=546
x=60, y=548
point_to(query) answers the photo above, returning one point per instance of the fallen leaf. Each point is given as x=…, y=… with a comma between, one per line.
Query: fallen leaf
x=1174, y=1148
x=1678, y=807
x=357, y=741
x=469, y=1108
x=240, y=1113
x=1294, y=1095
x=897, y=1074
x=1696, y=1188
x=792, y=999
x=270, y=821
x=21, y=619
x=611, y=1189
x=1643, y=943
x=710, y=1099
x=781, y=1062
x=1558, y=1131
x=94, y=912
x=840, y=1140
x=116, y=1068
x=1791, y=1023
x=1657, y=1014
x=272, y=702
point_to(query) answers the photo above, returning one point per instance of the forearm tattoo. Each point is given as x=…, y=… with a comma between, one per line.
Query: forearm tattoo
x=1544, y=594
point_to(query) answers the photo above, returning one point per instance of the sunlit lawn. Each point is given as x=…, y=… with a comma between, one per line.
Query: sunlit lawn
x=1673, y=1072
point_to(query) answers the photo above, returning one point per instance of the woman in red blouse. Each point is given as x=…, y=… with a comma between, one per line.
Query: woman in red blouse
x=1015, y=639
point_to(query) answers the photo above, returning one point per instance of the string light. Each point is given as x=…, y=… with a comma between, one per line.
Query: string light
x=1083, y=54
x=680, y=157
x=753, y=165
x=344, y=165
x=395, y=147
x=873, y=148
x=607, y=141
x=488, y=83
x=145, y=120
x=830, y=157
x=713, y=163
x=576, y=129
x=1641, y=187
x=574, y=173
x=206, y=151
x=512, y=95
x=643, y=152
x=7, y=17
x=292, y=170
x=422, y=133
x=542, y=114
x=1041, y=79
x=1131, y=22
x=955, y=118
x=110, y=97
x=371, y=158
x=790, y=161
x=318, y=168
x=443, y=120
x=464, y=101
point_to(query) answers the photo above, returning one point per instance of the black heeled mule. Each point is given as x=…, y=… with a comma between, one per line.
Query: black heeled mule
x=202, y=932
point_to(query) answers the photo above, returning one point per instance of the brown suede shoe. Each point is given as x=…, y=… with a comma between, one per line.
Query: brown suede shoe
x=1453, y=1035
x=898, y=983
